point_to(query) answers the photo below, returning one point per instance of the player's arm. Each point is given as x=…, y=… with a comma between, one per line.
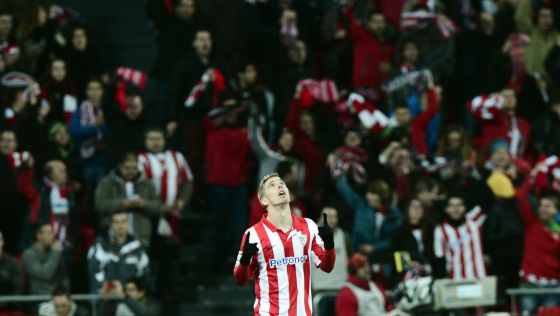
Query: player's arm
x=322, y=248
x=246, y=261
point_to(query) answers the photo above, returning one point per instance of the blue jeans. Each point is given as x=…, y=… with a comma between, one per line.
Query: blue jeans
x=230, y=208
x=530, y=303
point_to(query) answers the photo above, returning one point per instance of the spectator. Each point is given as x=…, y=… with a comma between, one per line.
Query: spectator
x=476, y=50
x=200, y=68
x=128, y=126
x=546, y=137
x=427, y=192
x=227, y=180
x=350, y=158
x=269, y=156
x=83, y=61
x=401, y=168
x=375, y=220
x=543, y=34
x=59, y=91
x=58, y=206
x=373, y=50
x=61, y=304
x=20, y=197
x=132, y=300
x=11, y=49
x=116, y=255
x=497, y=116
x=43, y=262
x=458, y=242
x=503, y=232
x=176, y=27
x=416, y=235
x=21, y=110
x=125, y=189
x=170, y=173
x=540, y=267
x=307, y=143
x=11, y=280
x=501, y=160
x=336, y=279
x=361, y=296
x=61, y=147
x=89, y=130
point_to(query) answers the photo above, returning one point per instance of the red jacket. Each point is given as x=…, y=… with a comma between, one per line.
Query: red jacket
x=541, y=258
x=496, y=124
x=346, y=301
x=228, y=153
x=369, y=52
x=421, y=121
x=309, y=149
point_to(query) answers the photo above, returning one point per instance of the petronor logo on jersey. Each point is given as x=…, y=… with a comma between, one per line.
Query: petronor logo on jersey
x=277, y=263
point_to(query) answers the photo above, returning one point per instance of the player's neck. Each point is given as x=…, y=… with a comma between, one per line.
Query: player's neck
x=280, y=216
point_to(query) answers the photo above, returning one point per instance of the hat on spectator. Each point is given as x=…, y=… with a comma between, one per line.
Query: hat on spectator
x=498, y=143
x=357, y=261
x=501, y=185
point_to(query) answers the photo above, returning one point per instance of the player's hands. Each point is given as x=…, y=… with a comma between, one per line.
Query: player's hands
x=326, y=233
x=249, y=250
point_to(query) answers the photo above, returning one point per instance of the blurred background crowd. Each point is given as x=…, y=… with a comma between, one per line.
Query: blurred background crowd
x=424, y=126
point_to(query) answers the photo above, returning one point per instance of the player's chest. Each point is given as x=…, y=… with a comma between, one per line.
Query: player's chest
x=284, y=249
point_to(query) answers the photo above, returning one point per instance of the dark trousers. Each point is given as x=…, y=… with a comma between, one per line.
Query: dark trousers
x=230, y=208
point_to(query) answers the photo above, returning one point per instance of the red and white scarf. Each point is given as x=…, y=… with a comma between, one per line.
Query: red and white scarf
x=417, y=20
x=486, y=107
x=323, y=90
x=350, y=159
x=134, y=76
x=369, y=116
x=203, y=84
x=17, y=160
x=88, y=113
x=59, y=207
x=548, y=176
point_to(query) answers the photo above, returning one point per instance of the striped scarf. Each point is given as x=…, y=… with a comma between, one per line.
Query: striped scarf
x=88, y=113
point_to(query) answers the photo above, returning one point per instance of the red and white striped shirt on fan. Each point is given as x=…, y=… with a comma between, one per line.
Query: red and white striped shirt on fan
x=462, y=246
x=167, y=170
x=281, y=268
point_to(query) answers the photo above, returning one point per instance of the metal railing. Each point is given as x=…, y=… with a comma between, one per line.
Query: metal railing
x=517, y=292
x=92, y=298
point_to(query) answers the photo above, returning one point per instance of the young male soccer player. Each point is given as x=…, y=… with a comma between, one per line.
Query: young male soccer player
x=277, y=253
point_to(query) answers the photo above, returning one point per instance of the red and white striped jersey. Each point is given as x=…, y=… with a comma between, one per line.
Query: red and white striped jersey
x=281, y=268
x=462, y=246
x=167, y=170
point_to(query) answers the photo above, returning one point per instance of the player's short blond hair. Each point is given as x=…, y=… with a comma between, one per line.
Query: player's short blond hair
x=263, y=181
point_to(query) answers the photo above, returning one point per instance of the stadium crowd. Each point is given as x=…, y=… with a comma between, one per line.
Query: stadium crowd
x=425, y=126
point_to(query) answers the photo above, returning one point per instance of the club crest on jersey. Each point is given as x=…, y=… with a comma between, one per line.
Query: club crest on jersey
x=278, y=263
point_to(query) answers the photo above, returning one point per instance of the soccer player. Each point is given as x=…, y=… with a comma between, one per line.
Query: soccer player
x=277, y=253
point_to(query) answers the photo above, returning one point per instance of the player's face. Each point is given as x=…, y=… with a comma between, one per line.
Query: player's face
x=275, y=192
x=455, y=208
x=155, y=142
x=547, y=210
